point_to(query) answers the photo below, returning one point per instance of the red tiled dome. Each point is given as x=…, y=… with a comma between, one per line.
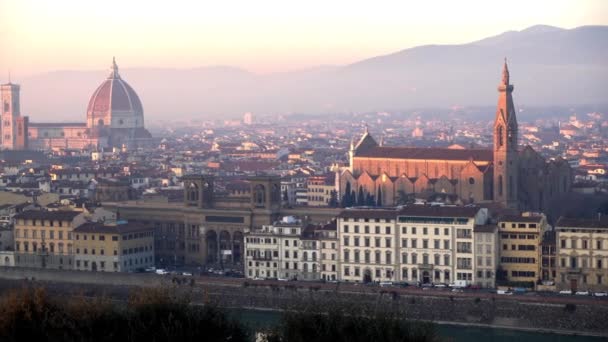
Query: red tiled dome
x=114, y=94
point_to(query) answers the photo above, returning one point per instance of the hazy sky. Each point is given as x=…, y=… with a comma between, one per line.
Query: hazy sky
x=258, y=35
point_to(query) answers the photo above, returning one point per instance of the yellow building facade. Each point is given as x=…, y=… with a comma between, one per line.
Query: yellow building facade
x=119, y=247
x=44, y=238
x=520, y=255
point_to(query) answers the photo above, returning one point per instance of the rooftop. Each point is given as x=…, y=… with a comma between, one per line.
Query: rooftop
x=58, y=215
x=566, y=223
x=95, y=227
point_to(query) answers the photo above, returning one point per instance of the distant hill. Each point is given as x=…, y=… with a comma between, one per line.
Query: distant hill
x=549, y=66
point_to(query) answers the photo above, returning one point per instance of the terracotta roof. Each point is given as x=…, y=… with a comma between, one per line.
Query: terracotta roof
x=566, y=223
x=438, y=211
x=426, y=153
x=58, y=124
x=519, y=218
x=60, y=215
x=114, y=94
x=94, y=227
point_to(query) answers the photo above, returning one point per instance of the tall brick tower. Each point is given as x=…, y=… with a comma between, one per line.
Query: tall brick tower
x=505, y=145
x=14, y=126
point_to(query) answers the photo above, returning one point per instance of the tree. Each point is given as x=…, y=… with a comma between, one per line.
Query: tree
x=369, y=200
x=340, y=324
x=347, y=199
x=404, y=198
x=333, y=199
x=361, y=197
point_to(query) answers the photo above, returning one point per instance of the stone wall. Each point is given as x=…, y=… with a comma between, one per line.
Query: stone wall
x=584, y=317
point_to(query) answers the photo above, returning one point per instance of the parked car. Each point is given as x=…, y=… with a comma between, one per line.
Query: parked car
x=601, y=294
x=565, y=292
x=503, y=292
x=457, y=289
x=187, y=274
x=582, y=293
x=386, y=283
x=441, y=285
x=162, y=271
x=150, y=269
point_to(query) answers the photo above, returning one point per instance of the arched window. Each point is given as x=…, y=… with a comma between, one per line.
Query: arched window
x=500, y=135
x=500, y=185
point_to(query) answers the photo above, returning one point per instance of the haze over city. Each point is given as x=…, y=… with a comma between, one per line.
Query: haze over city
x=275, y=171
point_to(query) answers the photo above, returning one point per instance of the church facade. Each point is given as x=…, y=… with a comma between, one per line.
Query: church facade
x=513, y=176
x=115, y=118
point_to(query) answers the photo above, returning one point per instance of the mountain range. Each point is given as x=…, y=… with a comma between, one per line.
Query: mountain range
x=549, y=66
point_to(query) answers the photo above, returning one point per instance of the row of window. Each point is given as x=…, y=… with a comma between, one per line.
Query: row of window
x=580, y=262
x=425, y=244
x=519, y=225
x=518, y=236
x=527, y=274
x=585, y=244
x=33, y=234
x=505, y=247
x=43, y=223
x=102, y=264
x=599, y=279
x=366, y=230
x=516, y=260
x=41, y=248
x=365, y=220
x=367, y=242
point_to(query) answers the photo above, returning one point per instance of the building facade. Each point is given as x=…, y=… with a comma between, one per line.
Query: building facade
x=486, y=255
x=417, y=244
x=520, y=252
x=582, y=254
x=14, y=127
x=44, y=239
x=508, y=174
x=119, y=247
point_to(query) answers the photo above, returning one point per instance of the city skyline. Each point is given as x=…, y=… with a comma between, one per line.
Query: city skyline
x=261, y=39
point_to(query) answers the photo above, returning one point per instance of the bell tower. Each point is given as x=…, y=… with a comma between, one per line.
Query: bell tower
x=198, y=191
x=505, y=145
x=11, y=111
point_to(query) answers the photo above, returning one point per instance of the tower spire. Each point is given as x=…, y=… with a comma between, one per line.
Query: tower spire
x=505, y=74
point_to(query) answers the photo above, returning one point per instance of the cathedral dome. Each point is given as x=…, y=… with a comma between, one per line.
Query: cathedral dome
x=115, y=104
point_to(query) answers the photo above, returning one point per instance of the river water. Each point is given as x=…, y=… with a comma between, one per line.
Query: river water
x=259, y=319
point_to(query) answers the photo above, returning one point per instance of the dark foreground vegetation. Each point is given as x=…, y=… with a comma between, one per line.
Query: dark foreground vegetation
x=339, y=325
x=31, y=314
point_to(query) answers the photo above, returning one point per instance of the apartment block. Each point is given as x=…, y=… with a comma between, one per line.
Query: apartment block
x=119, y=247
x=520, y=248
x=582, y=254
x=418, y=244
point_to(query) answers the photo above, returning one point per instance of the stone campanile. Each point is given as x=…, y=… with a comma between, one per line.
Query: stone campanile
x=505, y=145
x=14, y=126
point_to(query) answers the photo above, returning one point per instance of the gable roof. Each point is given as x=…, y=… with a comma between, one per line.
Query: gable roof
x=422, y=153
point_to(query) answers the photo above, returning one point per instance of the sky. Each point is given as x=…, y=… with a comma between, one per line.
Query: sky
x=263, y=36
